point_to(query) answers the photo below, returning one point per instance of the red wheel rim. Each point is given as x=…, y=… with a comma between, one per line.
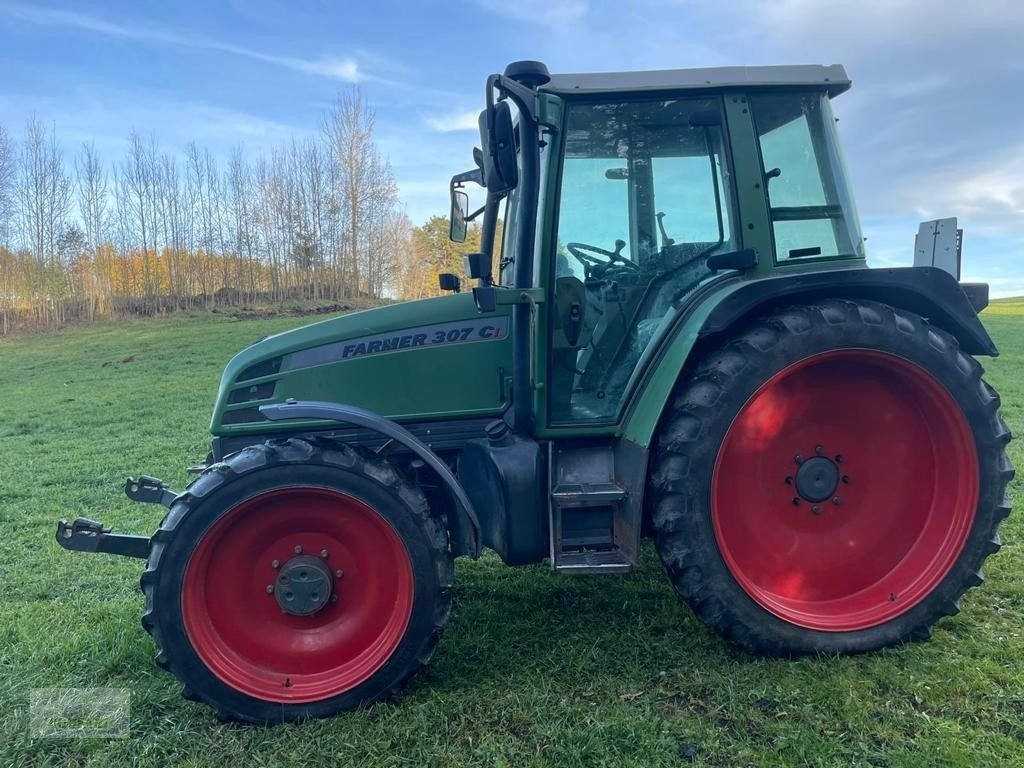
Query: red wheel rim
x=905, y=499
x=241, y=633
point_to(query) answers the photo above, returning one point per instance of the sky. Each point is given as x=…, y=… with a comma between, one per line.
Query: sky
x=931, y=128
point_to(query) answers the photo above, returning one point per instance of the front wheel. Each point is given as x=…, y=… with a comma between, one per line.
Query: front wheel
x=297, y=580
x=830, y=480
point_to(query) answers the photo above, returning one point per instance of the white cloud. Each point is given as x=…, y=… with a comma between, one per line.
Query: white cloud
x=548, y=12
x=457, y=121
x=338, y=68
x=990, y=193
x=105, y=116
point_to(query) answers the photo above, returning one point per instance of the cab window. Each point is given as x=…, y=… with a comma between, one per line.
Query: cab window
x=645, y=198
x=810, y=201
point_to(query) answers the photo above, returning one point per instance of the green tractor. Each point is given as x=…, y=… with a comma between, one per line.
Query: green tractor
x=681, y=340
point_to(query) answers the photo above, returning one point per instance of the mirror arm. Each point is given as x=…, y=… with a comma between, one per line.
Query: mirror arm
x=488, y=229
x=476, y=213
x=525, y=98
x=476, y=176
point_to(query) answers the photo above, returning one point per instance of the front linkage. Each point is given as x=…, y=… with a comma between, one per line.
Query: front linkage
x=87, y=535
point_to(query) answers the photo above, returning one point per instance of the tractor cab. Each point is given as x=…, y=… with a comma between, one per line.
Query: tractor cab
x=649, y=189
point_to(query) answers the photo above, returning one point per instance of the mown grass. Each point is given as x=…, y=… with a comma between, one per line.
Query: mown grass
x=535, y=668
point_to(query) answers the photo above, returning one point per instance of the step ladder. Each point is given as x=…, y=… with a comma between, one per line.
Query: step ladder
x=595, y=522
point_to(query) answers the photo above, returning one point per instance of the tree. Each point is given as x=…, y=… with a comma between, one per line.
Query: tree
x=365, y=188
x=429, y=253
x=8, y=175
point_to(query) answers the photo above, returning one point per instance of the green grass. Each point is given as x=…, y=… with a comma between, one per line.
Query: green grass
x=1012, y=306
x=535, y=668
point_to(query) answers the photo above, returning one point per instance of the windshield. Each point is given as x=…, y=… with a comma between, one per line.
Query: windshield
x=509, y=241
x=506, y=251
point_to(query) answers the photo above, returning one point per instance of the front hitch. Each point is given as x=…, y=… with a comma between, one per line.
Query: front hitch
x=149, y=490
x=85, y=535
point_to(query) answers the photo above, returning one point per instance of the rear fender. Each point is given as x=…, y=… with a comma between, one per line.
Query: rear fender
x=927, y=291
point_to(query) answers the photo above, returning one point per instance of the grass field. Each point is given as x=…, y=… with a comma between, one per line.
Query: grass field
x=535, y=668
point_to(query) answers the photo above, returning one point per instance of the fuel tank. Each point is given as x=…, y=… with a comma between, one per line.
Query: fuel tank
x=426, y=360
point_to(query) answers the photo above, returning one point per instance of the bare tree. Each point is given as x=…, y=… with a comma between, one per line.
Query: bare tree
x=43, y=193
x=8, y=171
x=93, y=201
x=93, y=211
x=138, y=184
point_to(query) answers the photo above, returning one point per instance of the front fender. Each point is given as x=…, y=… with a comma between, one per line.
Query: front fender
x=927, y=291
x=360, y=417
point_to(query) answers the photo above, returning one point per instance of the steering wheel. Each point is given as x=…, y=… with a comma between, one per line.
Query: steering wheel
x=598, y=260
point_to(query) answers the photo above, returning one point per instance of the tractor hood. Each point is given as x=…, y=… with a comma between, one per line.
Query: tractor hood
x=416, y=361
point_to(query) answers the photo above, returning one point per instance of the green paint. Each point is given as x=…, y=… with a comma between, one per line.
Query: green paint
x=414, y=383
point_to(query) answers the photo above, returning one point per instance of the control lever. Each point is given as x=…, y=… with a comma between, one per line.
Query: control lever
x=665, y=239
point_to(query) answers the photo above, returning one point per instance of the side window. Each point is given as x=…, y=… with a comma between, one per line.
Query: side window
x=811, y=205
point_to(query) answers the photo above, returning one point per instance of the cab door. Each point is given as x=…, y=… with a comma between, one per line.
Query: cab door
x=645, y=197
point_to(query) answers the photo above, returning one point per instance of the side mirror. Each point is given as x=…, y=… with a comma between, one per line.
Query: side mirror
x=449, y=282
x=497, y=134
x=457, y=226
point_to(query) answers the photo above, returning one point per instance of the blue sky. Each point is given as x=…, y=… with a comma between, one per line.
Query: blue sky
x=931, y=128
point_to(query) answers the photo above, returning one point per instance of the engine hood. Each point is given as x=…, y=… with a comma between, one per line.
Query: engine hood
x=416, y=361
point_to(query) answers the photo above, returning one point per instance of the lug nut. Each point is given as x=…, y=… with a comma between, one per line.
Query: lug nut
x=819, y=450
x=339, y=573
x=324, y=553
x=298, y=549
x=796, y=501
x=836, y=500
x=816, y=509
x=839, y=458
x=846, y=479
x=789, y=479
x=270, y=589
x=275, y=564
x=334, y=598
x=799, y=458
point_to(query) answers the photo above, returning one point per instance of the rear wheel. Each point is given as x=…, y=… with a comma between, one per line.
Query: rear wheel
x=830, y=480
x=297, y=581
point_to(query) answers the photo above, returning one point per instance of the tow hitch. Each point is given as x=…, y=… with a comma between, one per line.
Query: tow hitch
x=85, y=535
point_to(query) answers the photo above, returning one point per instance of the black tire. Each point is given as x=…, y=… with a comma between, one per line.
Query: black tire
x=286, y=464
x=703, y=408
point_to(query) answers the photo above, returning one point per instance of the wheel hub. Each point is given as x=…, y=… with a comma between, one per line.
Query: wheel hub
x=817, y=479
x=304, y=585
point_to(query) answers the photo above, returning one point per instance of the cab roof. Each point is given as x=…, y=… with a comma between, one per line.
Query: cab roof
x=832, y=77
